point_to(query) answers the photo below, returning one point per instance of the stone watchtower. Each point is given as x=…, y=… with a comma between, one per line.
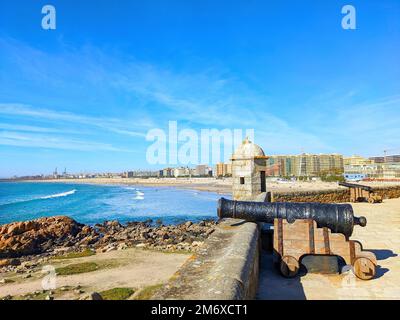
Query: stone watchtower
x=248, y=172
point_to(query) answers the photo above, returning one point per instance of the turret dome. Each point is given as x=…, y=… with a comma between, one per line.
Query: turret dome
x=248, y=150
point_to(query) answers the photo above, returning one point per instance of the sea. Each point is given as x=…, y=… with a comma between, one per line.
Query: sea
x=92, y=203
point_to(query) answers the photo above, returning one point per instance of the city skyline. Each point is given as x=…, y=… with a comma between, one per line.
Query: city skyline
x=85, y=95
x=93, y=172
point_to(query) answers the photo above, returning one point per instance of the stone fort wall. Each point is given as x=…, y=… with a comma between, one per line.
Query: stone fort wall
x=331, y=196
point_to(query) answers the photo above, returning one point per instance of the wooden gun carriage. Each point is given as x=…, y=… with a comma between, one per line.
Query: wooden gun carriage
x=361, y=193
x=302, y=229
x=293, y=241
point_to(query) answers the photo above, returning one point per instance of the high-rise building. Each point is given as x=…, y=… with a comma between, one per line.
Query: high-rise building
x=390, y=159
x=387, y=167
x=201, y=170
x=137, y=174
x=182, y=172
x=391, y=170
x=304, y=165
x=223, y=169
x=128, y=174
x=377, y=159
x=357, y=160
x=371, y=170
x=168, y=172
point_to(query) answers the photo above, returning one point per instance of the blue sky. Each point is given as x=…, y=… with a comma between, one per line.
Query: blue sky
x=84, y=96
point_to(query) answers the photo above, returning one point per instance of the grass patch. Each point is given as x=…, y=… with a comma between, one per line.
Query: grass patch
x=73, y=255
x=77, y=268
x=147, y=292
x=117, y=293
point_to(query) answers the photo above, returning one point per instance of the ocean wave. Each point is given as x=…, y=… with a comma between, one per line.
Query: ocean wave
x=57, y=195
x=138, y=193
x=138, y=197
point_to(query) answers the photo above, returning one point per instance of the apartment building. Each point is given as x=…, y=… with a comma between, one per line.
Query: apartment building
x=304, y=165
x=223, y=169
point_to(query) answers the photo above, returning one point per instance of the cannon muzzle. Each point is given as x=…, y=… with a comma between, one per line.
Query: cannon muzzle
x=339, y=218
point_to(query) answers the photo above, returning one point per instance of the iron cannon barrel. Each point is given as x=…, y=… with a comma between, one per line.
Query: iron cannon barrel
x=339, y=218
x=354, y=185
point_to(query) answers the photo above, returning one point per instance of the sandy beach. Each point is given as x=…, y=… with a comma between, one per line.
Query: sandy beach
x=221, y=186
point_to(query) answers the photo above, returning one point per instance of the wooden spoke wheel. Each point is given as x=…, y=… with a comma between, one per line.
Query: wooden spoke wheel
x=289, y=267
x=371, y=200
x=364, y=268
x=359, y=242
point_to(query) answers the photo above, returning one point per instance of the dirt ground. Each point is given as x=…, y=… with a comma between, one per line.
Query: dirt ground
x=381, y=236
x=130, y=268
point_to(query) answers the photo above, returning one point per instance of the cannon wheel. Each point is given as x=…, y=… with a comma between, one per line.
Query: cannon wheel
x=289, y=266
x=364, y=268
x=371, y=200
x=359, y=242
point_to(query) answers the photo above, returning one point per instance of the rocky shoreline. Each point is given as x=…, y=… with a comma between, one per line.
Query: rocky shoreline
x=24, y=245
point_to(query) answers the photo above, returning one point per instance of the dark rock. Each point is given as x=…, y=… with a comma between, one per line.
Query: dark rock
x=33, y=237
x=37, y=241
x=9, y=262
x=95, y=296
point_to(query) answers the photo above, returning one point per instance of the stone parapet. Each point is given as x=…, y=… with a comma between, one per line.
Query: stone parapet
x=331, y=196
x=227, y=267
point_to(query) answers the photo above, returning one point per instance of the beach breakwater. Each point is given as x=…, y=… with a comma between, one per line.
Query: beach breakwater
x=331, y=196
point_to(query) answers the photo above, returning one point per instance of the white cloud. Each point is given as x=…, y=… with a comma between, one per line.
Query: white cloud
x=211, y=98
x=11, y=138
x=115, y=125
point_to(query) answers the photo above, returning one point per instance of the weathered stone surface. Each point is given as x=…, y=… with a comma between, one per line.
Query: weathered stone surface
x=326, y=196
x=331, y=196
x=388, y=192
x=248, y=164
x=226, y=267
x=32, y=237
x=9, y=262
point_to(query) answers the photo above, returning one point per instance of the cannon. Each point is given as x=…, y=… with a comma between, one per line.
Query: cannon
x=304, y=229
x=354, y=185
x=339, y=218
x=360, y=193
